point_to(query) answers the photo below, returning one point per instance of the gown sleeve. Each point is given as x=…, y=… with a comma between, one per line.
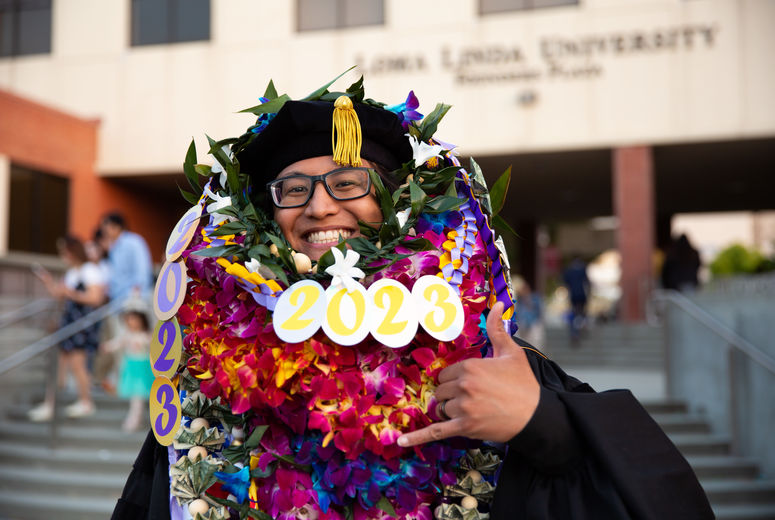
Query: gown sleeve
x=146, y=495
x=586, y=455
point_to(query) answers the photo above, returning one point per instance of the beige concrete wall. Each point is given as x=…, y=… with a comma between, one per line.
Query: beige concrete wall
x=515, y=85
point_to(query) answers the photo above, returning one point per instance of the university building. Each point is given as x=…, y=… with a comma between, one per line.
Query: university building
x=626, y=112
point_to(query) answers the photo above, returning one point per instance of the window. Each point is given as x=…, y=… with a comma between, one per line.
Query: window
x=500, y=6
x=38, y=210
x=337, y=14
x=25, y=27
x=170, y=21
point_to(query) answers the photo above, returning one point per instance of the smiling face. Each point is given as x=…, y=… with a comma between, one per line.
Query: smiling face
x=314, y=228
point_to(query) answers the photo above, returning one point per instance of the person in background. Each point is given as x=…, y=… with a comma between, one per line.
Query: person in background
x=577, y=283
x=128, y=259
x=682, y=261
x=82, y=289
x=133, y=347
x=529, y=313
x=97, y=251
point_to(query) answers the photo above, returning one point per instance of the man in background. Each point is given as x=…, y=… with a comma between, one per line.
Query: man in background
x=129, y=260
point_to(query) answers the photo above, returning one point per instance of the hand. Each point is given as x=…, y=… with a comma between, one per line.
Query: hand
x=490, y=399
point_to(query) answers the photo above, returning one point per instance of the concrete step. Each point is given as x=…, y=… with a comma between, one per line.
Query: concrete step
x=109, y=460
x=35, y=505
x=681, y=423
x=101, y=400
x=745, y=512
x=67, y=482
x=69, y=435
x=740, y=491
x=701, y=443
x=665, y=406
x=723, y=467
x=106, y=417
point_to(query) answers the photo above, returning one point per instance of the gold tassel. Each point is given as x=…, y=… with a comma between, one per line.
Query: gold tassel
x=346, y=133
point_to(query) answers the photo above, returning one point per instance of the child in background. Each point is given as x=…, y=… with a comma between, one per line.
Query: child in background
x=135, y=376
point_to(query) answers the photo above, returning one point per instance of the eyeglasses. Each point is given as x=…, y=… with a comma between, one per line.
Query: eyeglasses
x=342, y=184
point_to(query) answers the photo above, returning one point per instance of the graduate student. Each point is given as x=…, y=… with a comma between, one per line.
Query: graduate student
x=427, y=409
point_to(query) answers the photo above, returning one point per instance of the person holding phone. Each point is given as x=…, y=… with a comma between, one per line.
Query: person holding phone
x=82, y=289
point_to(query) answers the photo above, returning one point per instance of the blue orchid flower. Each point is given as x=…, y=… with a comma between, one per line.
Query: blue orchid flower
x=236, y=483
x=407, y=111
x=263, y=120
x=434, y=221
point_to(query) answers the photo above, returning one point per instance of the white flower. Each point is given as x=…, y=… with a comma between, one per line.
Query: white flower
x=403, y=216
x=218, y=167
x=220, y=202
x=343, y=270
x=253, y=265
x=422, y=151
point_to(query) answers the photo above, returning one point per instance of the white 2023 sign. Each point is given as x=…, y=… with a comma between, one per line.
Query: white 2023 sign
x=387, y=311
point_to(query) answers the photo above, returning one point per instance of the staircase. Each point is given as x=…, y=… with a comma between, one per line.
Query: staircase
x=80, y=478
x=82, y=475
x=610, y=345
x=733, y=484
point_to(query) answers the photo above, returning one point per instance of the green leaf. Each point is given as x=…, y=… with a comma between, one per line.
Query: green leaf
x=190, y=197
x=418, y=198
x=389, y=228
x=219, y=251
x=430, y=122
x=259, y=251
x=499, y=191
x=228, y=229
x=499, y=223
x=270, y=93
x=438, y=181
x=205, y=170
x=356, y=91
x=216, y=150
x=255, y=437
x=322, y=90
x=362, y=245
x=385, y=505
x=290, y=460
x=189, y=169
x=277, y=270
x=325, y=261
x=270, y=107
x=282, y=250
x=443, y=203
x=257, y=473
x=258, y=515
x=397, y=194
x=419, y=244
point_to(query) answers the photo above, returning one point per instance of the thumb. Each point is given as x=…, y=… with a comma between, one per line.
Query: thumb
x=500, y=339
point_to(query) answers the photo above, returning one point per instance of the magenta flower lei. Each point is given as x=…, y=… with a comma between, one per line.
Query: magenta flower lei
x=338, y=410
x=321, y=420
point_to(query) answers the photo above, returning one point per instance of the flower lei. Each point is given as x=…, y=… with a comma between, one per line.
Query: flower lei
x=308, y=430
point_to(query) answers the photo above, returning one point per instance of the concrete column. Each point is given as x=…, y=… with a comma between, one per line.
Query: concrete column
x=5, y=202
x=633, y=192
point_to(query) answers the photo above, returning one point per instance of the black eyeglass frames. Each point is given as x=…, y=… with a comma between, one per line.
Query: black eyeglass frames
x=296, y=190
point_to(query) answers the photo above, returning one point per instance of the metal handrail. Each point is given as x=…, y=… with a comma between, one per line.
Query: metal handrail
x=44, y=344
x=712, y=323
x=27, y=311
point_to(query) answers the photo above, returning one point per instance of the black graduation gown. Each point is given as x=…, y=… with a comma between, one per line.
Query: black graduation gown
x=582, y=456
